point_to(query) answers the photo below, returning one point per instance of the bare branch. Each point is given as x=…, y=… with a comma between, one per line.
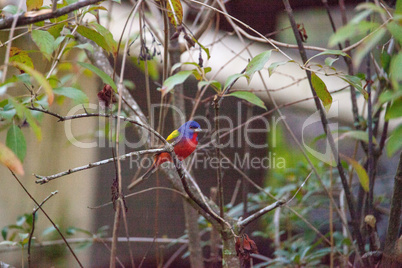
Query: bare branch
x=29, y=17
x=260, y=213
x=46, y=179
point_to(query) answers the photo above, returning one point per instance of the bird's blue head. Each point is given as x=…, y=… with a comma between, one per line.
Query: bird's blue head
x=188, y=129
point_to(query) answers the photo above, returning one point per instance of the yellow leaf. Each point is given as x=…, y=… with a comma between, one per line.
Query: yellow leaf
x=22, y=56
x=34, y=4
x=322, y=91
x=175, y=12
x=360, y=171
x=10, y=160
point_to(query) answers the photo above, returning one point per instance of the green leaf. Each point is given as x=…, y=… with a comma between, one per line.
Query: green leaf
x=105, y=78
x=329, y=61
x=394, y=143
x=38, y=77
x=4, y=232
x=329, y=52
x=389, y=95
x=232, y=79
x=322, y=91
x=396, y=30
x=58, y=41
x=48, y=230
x=395, y=70
x=24, y=237
x=358, y=135
x=34, y=4
x=256, y=64
x=355, y=81
x=398, y=7
x=360, y=171
x=395, y=110
x=352, y=30
x=206, y=50
x=213, y=83
x=370, y=6
x=275, y=65
x=8, y=112
x=73, y=230
x=368, y=44
x=385, y=60
x=174, y=80
x=107, y=35
x=23, y=111
x=55, y=30
x=94, y=36
x=24, y=78
x=86, y=46
x=250, y=97
x=11, y=9
x=10, y=160
x=16, y=142
x=45, y=41
x=72, y=93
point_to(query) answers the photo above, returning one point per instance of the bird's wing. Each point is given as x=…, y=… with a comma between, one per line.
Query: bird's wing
x=173, y=136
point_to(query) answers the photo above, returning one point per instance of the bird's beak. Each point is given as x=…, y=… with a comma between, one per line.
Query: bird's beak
x=198, y=130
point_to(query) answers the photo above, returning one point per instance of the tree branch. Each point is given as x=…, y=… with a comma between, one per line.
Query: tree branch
x=260, y=213
x=46, y=179
x=29, y=17
x=394, y=222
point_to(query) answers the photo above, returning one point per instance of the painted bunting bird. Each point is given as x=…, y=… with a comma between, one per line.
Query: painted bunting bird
x=185, y=139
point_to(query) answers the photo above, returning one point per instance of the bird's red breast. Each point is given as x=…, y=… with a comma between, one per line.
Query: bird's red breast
x=182, y=149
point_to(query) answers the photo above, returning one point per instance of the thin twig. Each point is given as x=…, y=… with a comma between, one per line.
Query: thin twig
x=347, y=60
x=47, y=216
x=33, y=225
x=141, y=192
x=120, y=199
x=135, y=122
x=46, y=179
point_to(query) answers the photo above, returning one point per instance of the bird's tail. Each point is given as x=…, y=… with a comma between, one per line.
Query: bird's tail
x=149, y=172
